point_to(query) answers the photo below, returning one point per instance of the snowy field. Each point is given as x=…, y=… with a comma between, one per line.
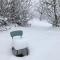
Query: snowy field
x=43, y=41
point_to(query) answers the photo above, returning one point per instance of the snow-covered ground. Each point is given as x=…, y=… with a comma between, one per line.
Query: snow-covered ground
x=43, y=42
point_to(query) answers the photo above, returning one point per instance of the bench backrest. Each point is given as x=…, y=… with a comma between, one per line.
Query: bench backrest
x=16, y=33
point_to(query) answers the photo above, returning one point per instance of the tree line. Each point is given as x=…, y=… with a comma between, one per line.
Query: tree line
x=50, y=9
x=19, y=11
x=15, y=11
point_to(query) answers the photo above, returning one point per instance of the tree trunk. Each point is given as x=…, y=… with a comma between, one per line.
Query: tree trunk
x=55, y=23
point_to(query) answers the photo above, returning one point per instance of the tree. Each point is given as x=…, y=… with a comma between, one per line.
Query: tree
x=50, y=9
x=25, y=6
x=14, y=10
x=19, y=11
x=3, y=7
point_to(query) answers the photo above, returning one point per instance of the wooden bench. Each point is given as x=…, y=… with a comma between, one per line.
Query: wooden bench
x=16, y=33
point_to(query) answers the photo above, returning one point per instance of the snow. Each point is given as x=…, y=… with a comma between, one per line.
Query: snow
x=43, y=42
x=19, y=43
x=36, y=22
